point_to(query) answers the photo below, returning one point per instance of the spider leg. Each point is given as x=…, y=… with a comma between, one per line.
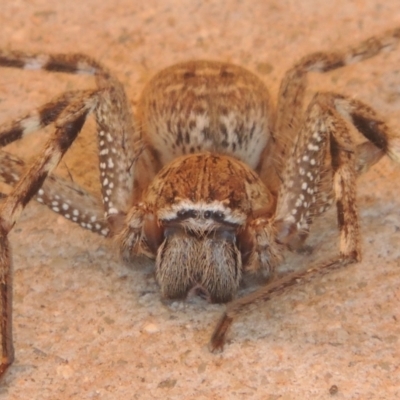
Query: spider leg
x=119, y=140
x=119, y=145
x=40, y=118
x=293, y=87
x=325, y=131
x=61, y=196
x=69, y=125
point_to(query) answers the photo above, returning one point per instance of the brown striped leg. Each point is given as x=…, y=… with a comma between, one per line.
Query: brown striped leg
x=119, y=148
x=60, y=195
x=7, y=349
x=118, y=139
x=293, y=87
x=68, y=63
x=40, y=118
x=68, y=128
x=325, y=131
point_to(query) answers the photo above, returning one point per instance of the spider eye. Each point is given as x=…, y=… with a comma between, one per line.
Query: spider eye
x=181, y=213
x=185, y=214
x=218, y=215
x=207, y=214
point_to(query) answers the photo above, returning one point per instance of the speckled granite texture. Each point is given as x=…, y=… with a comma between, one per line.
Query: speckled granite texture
x=89, y=327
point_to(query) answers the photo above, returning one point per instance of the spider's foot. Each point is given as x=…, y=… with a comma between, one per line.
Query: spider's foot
x=218, y=338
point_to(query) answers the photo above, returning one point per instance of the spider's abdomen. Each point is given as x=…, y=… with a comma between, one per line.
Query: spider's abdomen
x=202, y=106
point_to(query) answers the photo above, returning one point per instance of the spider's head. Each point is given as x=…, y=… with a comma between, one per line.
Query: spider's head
x=194, y=220
x=202, y=250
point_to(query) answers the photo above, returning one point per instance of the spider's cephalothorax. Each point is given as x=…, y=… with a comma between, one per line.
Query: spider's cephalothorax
x=195, y=219
x=208, y=178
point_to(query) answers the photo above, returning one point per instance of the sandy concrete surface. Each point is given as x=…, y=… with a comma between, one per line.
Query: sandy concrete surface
x=89, y=327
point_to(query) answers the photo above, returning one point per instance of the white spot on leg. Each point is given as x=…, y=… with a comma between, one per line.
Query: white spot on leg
x=30, y=124
x=311, y=147
x=36, y=63
x=299, y=202
x=290, y=219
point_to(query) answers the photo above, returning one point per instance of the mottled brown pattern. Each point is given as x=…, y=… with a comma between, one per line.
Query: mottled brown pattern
x=206, y=106
x=209, y=178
